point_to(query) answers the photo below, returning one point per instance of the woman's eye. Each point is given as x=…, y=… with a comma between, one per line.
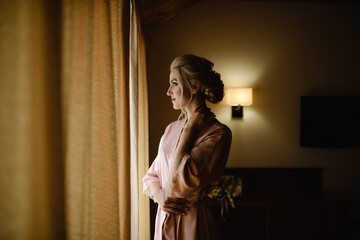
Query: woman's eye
x=174, y=83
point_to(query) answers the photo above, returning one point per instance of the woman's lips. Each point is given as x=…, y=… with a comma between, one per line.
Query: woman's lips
x=173, y=99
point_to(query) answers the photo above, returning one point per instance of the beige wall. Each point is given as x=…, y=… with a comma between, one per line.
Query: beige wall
x=283, y=51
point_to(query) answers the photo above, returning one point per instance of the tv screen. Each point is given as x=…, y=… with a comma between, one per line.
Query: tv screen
x=330, y=121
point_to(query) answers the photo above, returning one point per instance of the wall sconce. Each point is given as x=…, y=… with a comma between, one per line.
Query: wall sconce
x=237, y=98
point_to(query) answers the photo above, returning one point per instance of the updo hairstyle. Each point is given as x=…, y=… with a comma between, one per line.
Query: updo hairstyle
x=193, y=68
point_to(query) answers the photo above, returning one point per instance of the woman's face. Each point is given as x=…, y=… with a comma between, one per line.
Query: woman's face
x=174, y=91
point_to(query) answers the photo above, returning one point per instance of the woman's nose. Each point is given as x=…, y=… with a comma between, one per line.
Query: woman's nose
x=168, y=91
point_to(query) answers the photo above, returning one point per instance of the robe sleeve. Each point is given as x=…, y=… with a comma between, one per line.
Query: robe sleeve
x=150, y=177
x=204, y=164
x=153, y=174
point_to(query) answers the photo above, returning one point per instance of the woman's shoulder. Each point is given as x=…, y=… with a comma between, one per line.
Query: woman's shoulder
x=220, y=127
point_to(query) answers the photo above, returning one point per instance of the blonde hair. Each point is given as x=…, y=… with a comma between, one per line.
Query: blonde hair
x=193, y=69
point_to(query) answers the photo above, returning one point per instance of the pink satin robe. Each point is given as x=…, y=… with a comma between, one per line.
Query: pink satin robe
x=197, y=175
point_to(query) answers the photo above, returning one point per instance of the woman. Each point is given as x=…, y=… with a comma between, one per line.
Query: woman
x=192, y=155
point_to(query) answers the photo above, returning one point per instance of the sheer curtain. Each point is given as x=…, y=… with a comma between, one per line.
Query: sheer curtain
x=138, y=128
x=72, y=131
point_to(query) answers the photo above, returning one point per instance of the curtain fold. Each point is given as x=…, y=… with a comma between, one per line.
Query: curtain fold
x=122, y=29
x=140, y=212
x=102, y=120
x=65, y=120
x=143, y=137
x=89, y=100
x=31, y=168
x=133, y=79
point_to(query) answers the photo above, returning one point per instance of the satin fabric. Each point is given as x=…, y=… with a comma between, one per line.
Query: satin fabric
x=197, y=175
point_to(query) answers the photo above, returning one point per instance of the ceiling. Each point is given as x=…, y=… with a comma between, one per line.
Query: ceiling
x=154, y=12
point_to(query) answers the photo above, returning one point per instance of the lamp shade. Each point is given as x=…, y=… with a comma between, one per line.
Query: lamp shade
x=239, y=96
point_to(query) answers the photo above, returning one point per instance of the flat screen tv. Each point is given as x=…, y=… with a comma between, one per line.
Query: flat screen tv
x=330, y=121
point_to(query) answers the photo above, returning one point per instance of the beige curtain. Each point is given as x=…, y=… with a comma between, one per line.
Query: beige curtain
x=31, y=166
x=143, y=139
x=105, y=119
x=65, y=162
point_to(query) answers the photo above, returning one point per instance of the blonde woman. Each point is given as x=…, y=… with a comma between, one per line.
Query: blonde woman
x=192, y=154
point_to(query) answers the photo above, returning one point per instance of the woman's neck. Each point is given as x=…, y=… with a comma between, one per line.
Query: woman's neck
x=194, y=106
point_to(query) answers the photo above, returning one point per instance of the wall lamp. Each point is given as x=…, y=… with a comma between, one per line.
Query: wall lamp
x=237, y=98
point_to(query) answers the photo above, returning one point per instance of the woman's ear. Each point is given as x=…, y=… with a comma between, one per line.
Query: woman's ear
x=195, y=88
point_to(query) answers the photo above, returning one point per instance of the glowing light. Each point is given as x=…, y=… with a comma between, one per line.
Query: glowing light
x=239, y=96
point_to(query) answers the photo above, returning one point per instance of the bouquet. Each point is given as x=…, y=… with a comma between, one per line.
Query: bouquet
x=221, y=193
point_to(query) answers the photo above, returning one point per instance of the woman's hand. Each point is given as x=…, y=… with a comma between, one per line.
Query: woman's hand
x=175, y=206
x=171, y=205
